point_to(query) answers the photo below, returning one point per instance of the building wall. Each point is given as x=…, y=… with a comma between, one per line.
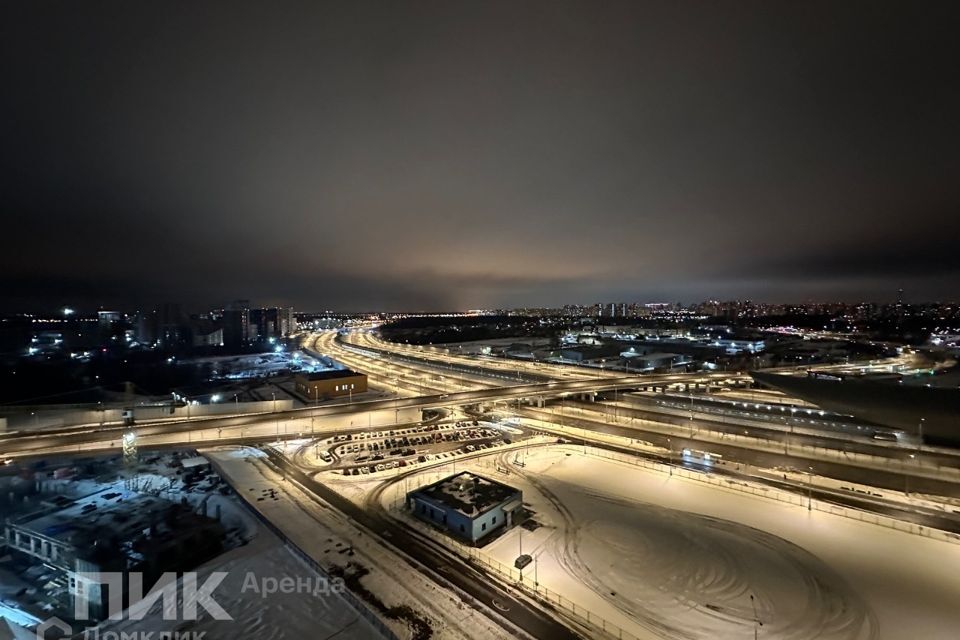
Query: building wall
x=332, y=388
x=488, y=522
x=456, y=523
x=211, y=339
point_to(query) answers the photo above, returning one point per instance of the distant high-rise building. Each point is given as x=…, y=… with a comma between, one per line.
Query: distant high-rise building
x=205, y=333
x=107, y=319
x=171, y=331
x=288, y=323
x=146, y=329
x=273, y=322
x=236, y=323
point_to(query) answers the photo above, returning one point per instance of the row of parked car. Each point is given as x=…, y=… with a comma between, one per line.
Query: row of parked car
x=393, y=464
x=373, y=435
x=387, y=441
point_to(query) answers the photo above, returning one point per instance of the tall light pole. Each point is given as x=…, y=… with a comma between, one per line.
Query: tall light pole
x=536, y=579
x=670, y=456
x=520, y=539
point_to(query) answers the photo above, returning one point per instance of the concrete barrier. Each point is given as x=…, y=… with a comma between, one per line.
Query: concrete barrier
x=29, y=418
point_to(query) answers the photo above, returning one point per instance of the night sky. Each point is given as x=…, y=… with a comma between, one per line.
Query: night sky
x=456, y=155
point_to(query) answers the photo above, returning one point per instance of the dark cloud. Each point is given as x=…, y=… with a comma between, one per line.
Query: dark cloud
x=431, y=155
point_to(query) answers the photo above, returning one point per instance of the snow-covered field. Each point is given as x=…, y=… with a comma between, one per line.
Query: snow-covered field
x=667, y=557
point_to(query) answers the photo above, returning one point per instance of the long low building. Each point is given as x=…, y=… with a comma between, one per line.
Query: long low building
x=330, y=384
x=927, y=412
x=466, y=505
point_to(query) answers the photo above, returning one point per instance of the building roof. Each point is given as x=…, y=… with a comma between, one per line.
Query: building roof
x=136, y=520
x=195, y=461
x=468, y=493
x=330, y=374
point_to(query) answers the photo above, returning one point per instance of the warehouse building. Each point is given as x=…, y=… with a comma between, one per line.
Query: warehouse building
x=333, y=383
x=467, y=506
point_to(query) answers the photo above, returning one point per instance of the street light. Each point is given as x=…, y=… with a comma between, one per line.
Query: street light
x=670, y=456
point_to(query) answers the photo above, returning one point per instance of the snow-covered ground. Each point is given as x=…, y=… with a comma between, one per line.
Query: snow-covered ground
x=256, y=614
x=333, y=541
x=666, y=557
x=256, y=365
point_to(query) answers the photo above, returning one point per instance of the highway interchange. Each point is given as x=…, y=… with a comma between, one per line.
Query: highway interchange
x=573, y=403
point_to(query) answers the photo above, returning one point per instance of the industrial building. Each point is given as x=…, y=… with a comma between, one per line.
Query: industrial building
x=330, y=384
x=66, y=539
x=467, y=506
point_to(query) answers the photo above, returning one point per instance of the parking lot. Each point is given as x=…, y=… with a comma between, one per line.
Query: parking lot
x=376, y=451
